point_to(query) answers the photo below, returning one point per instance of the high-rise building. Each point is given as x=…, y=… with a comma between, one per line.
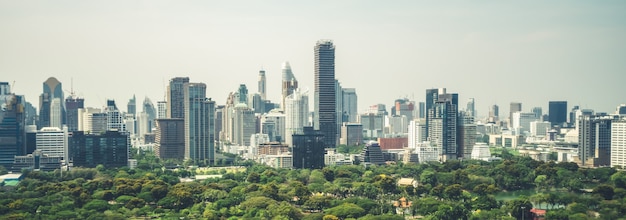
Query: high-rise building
x=417, y=132
x=92, y=120
x=594, y=140
x=325, y=119
x=296, y=107
x=466, y=135
x=109, y=149
x=373, y=124
x=115, y=118
x=72, y=104
x=131, y=107
x=273, y=124
x=403, y=107
x=170, y=138
x=521, y=122
x=618, y=143
x=308, y=149
x=12, y=127
x=538, y=112
x=219, y=120
x=557, y=112
x=442, y=125
x=398, y=126
x=422, y=110
x=514, y=107
x=52, y=89
x=5, y=88
x=56, y=113
x=351, y=134
x=31, y=114
x=242, y=95
x=621, y=109
x=199, y=124
x=262, y=84
x=175, y=97
x=494, y=113
x=350, y=104
x=289, y=82
x=539, y=128
x=572, y=115
x=471, y=109
x=151, y=113
x=243, y=124
x=432, y=95
x=161, y=109
x=53, y=142
x=339, y=115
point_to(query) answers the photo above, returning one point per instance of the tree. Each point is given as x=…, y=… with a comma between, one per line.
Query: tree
x=519, y=207
x=318, y=202
x=346, y=210
x=253, y=177
x=604, y=190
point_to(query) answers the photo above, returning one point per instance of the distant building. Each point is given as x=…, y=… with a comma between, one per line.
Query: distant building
x=481, y=151
x=372, y=154
x=296, y=107
x=262, y=84
x=417, y=132
x=521, y=122
x=442, y=125
x=109, y=149
x=621, y=109
x=538, y=112
x=539, y=128
x=199, y=124
x=350, y=105
x=594, y=140
x=308, y=149
x=325, y=119
x=506, y=140
x=243, y=124
x=398, y=125
x=161, y=109
x=557, y=112
x=471, y=109
x=36, y=161
x=170, y=138
x=426, y=152
x=175, y=97
x=393, y=143
x=351, y=134
x=72, y=104
x=373, y=124
x=53, y=142
x=289, y=83
x=273, y=124
x=494, y=113
x=466, y=135
x=52, y=89
x=618, y=143
x=12, y=127
x=514, y=107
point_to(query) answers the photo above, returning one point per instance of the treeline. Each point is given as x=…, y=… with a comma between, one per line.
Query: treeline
x=451, y=190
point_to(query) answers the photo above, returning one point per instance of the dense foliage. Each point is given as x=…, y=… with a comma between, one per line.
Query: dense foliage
x=451, y=190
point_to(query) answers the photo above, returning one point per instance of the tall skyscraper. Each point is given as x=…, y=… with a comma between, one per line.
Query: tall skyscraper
x=442, y=128
x=350, y=104
x=262, y=84
x=471, y=109
x=151, y=113
x=199, y=124
x=52, y=89
x=242, y=95
x=572, y=115
x=494, y=113
x=296, y=114
x=92, y=120
x=56, y=113
x=594, y=140
x=12, y=127
x=289, y=82
x=514, y=107
x=422, y=110
x=338, y=108
x=325, y=118
x=72, y=104
x=175, y=97
x=417, y=132
x=466, y=135
x=432, y=95
x=161, y=109
x=557, y=114
x=131, y=107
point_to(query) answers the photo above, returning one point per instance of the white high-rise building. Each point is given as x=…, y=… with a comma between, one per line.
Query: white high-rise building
x=53, y=142
x=618, y=143
x=56, y=113
x=92, y=120
x=350, y=104
x=296, y=114
x=143, y=124
x=398, y=125
x=244, y=124
x=161, y=109
x=521, y=121
x=273, y=124
x=417, y=132
x=539, y=128
x=428, y=152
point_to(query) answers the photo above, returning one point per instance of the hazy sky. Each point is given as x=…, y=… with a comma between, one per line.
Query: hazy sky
x=494, y=51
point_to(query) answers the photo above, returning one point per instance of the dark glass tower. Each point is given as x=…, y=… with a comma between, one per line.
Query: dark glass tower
x=557, y=112
x=52, y=89
x=308, y=149
x=175, y=97
x=325, y=118
x=72, y=104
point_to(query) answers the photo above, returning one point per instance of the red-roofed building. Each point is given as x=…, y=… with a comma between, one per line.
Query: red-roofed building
x=538, y=214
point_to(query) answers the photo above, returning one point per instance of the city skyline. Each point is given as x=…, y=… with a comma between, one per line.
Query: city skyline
x=475, y=49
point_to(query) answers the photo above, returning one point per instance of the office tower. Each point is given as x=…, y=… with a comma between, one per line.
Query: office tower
x=514, y=107
x=539, y=128
x=199, y=124
x=273, y=124
x=494, y=113
x=351, y=134
x=538, y=112
x=143, y=126
x=422, y=110
x=257, y=103
x=52, y=89
x=130, y=123
x=350, y=104
x=398, y=126
x=471, y=109
x=161, y=109
x=466, y=135
x=219, y=120
x=242, y=95
x=92, y=120
x=56, y=113
x=53, y=142
x=521, y=122
x=289, y=82
x=621, y=109
x=30, y=114
x=308, y=149
x=115, y=118
x=170, y=138
x=72, y=104
x=417, y=132
x=262, y=84
x=432, y=95
x=572, y=115
x=594, y=140
x=109, y=149
x=148, y=108
x=372, y=154
x=618, y=143
x=403, y=107
x=12, y=127
x=131, y=107
x=578, y=114
x=296, y=107
x=373, y=124
x=175, y=97
x=557, y=112
x=338, y=108
x=325, y=118
x=5, y=88
x=243, y=124
x=442, y=125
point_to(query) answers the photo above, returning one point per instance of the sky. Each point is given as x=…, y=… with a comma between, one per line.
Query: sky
x=494, y=51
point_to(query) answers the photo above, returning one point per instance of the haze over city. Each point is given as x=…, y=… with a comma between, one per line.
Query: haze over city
x=495, y=52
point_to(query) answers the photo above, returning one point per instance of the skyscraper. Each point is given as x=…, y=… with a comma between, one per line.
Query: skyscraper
x=494, y=113
x=594, y=140
x=431, y=97
x=466, y=135
x=557, y=114
x=514, y=107
x=471, y=109
x=289, y=82
x=308, y=149
x=262, y=84
x=52, y=89
x=53, y=142
x=132, y=106
x=325, y=118
x=12, y=131
x=170, y=138
x=338, y=108
x=151, y=113
x=175, y=97
x=618, y=143
x=115, y=118
x=161, y=109
x=296, y=114
x=442, y=128
x=538, y=112
x=72, y=104
x=199, y=124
